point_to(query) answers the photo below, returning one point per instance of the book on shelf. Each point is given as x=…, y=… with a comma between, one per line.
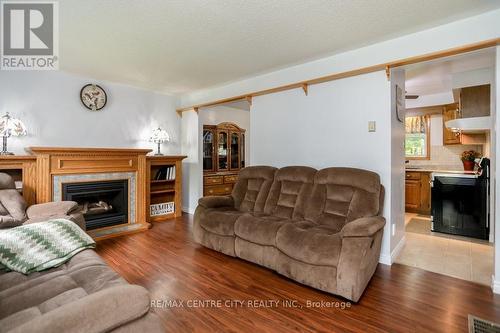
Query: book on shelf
x=165, y=173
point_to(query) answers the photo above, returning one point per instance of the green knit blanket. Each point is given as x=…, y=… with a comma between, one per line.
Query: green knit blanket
x=39, y=246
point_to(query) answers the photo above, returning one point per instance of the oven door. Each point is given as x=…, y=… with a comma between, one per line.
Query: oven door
x=459, y=206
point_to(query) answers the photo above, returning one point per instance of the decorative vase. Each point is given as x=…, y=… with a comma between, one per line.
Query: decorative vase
x=468, y=165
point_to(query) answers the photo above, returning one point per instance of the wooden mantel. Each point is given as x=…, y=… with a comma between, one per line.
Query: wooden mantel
x=68, y=160
x=77, y=150
x=46, y=169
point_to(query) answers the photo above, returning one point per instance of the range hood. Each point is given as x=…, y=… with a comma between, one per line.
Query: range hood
x=470, y=125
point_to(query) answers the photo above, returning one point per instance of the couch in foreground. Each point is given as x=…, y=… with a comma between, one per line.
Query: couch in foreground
x=321, y=228
x=84, y=295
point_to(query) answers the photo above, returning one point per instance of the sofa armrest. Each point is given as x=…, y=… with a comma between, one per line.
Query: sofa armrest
x=51, y=209
x=216, y=201
x=99, y=312
x=363, y=227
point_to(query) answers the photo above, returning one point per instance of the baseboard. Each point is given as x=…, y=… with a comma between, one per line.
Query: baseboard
x=385, y=259
x=389, y=259
x=188, y=210
x=495, y=285
x=397, y=250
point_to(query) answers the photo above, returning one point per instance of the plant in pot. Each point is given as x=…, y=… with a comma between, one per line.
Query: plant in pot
x=468, y=158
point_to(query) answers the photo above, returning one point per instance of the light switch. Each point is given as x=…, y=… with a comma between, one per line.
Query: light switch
x=372, y=126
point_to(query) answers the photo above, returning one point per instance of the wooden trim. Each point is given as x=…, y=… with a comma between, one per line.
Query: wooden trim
x=70, y=150
x=305, y=87
x=17, y=157
x=364, y=70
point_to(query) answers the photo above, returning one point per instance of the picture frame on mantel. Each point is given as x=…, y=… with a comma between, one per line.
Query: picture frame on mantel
x=400, y=105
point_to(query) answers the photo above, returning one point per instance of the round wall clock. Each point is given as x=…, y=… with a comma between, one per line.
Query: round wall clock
x=93, y=97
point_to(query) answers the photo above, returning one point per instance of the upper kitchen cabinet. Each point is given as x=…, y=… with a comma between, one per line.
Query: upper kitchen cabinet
x=475, y=101
x=450, y=112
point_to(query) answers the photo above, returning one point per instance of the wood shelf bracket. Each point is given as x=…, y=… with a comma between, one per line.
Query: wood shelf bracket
x=249, y=100
x=305, y=87
x=388, y=72
x=179, y=112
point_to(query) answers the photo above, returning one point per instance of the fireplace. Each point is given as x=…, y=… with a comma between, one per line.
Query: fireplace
x=103, y=203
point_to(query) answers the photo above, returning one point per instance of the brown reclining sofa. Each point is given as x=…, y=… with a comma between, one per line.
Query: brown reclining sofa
x=83, y=295
x=321, y=228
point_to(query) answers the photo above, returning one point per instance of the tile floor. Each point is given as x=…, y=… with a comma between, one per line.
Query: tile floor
x=460, y=257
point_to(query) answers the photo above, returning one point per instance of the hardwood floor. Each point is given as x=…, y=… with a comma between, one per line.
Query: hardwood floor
x=167, y=262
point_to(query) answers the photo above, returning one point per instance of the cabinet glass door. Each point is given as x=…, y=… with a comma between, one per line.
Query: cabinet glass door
x=242, y=150
x=222, y=150
x=208, y=150
x=235, y=151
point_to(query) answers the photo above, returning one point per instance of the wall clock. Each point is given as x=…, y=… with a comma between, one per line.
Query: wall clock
x=93, y=97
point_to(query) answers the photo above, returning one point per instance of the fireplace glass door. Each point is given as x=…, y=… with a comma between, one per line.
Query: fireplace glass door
x=103, y=203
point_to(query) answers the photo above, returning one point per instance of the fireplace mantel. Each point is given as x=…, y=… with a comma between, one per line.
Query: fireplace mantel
x=87, y=151
x=46, y=169
x=55, y=164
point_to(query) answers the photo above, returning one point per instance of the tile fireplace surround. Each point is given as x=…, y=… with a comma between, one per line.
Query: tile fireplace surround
x=57, y=195
x=56, y=166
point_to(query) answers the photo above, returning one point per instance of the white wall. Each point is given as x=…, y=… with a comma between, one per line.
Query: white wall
x=495, y=148
x=397, y=170
x=48, y=102
x=191, y=166
x=329, y=127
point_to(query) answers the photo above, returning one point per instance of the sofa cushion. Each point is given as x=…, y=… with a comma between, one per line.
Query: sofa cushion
x=25, y=297
x=259, y=228
x=310, y=242
x=251, y=189
x=220, y=221
x=84, y=274
x=289, y=191
x=88, y=259
x=340, y=195
x=19, y=318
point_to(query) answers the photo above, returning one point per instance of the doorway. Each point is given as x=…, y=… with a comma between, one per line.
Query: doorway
x=447, y=208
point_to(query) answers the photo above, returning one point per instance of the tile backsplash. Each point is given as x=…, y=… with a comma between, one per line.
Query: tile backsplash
x=448, y=156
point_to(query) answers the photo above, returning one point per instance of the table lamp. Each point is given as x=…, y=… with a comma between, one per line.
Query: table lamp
x=10, y=127
x=159, y=136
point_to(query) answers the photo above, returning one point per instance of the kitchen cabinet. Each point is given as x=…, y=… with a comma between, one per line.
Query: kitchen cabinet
x=418, y=192
x=475, y=101
x=223, y=157
x=450, y=112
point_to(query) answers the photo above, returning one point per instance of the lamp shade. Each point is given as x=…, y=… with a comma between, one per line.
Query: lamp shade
x=11, y=126
x=159, y=135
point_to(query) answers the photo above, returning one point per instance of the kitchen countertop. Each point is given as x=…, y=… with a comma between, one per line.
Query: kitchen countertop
x=438, y=169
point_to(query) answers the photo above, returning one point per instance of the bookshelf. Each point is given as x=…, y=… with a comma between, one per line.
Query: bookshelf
x=164, y=187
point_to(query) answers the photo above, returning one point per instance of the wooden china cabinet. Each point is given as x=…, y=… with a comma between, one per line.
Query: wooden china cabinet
x=223, y=157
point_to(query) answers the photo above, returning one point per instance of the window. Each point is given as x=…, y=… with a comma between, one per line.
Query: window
x=417, y=140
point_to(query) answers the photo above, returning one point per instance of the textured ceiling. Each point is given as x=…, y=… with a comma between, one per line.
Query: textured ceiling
x=177, y=46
